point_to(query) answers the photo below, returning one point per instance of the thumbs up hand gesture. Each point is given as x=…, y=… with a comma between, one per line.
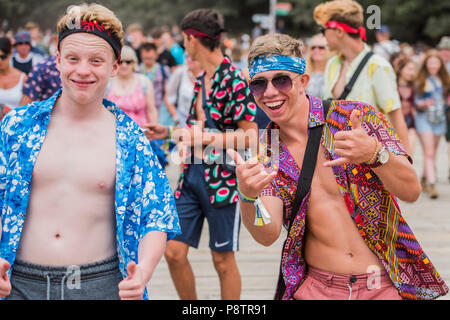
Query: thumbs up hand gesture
x=133, y=286
x=5, y=284
x=354, y=146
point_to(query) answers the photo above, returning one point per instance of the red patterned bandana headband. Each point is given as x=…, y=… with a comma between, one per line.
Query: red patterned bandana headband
x=96, y=28
x=335, y=24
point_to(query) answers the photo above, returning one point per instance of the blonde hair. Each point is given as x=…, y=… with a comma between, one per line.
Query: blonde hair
x=346, y=11
x=90, y=12
x=275, y=44
x=128, y=53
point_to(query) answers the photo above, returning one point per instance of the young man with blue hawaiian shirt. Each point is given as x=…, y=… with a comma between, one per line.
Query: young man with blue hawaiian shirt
x=86, y=209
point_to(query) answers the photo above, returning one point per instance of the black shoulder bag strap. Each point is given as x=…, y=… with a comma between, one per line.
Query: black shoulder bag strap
x=303, y=184
x=355, y=76
x=227, y=162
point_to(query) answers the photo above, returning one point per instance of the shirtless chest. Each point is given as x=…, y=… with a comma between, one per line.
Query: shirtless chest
x=83, y=157
x=332, y=241
x=70, y=216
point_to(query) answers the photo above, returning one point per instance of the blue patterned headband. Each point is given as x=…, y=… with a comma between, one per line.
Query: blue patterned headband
x=276, y=62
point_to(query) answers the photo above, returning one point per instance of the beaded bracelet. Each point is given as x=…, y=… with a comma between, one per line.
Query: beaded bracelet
x=375, y=154
x=169, y=135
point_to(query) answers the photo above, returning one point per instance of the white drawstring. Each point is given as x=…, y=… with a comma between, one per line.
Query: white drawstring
x=48, y=285
x=350, y=288
x=62, y=286
x=47, y=276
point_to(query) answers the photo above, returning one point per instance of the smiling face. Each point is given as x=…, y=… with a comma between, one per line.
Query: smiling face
x=85, y=62
x=278, y=101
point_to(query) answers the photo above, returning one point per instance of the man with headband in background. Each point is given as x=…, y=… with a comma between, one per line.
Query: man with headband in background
x=207, y=189
x=347, y=238
x=341, y=23
x=86, y=208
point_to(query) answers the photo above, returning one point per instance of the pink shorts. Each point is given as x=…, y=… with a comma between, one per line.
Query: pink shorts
x=322, y=285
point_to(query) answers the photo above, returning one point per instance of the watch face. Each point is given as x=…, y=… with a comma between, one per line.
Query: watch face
x=383, y=156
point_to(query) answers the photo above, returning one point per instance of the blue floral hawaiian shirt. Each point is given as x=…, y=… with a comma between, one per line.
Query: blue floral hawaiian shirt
x=143, y=196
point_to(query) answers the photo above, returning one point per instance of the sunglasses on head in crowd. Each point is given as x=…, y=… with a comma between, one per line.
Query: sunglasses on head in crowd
x=126, y=61
x=282, y=83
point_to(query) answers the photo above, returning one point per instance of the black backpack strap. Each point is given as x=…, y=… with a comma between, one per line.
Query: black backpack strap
x=355, y=76
x=309, y=164
x=303, y=184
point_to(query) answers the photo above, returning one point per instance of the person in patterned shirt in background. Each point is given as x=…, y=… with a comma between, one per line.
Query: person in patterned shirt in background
x=82, y=195
x=43, y=81
x=342, y=25
x=348, y=239
x=206, y=187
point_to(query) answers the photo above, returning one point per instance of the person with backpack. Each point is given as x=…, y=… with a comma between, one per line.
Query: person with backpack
x=356, y=74
x=332, y=179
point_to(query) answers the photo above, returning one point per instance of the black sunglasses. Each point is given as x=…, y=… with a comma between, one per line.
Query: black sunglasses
x=282, y=83
x=322, y=29
x=126, y=61
x=3, y=56
x=318, y=47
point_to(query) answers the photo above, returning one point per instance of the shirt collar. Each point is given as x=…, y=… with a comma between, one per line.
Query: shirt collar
x=46, y=107
x=316, y=114
x=358, y=58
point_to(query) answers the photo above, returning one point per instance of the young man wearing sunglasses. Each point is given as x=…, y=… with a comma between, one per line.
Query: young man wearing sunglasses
x=347, y=239
x=207, y=189
x=341, y=23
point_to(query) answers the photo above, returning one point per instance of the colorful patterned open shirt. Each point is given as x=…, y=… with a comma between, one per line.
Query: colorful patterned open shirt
x=373, y=209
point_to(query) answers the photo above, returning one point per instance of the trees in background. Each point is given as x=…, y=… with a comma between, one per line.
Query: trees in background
x=409, y=20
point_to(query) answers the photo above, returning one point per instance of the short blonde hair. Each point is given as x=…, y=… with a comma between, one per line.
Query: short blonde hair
x=128, y=53
x=91, y=12
x=275, y=44
x=346, y=11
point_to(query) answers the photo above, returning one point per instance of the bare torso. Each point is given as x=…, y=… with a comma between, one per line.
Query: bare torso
x=70, y=218
x=332, y=241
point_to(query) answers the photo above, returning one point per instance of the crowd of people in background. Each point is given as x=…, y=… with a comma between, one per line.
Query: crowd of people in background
x=200, y=87
x=156, y=79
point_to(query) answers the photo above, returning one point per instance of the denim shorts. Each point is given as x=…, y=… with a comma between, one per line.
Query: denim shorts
x=423, y=125
x=94, y=281
x=194, y=206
